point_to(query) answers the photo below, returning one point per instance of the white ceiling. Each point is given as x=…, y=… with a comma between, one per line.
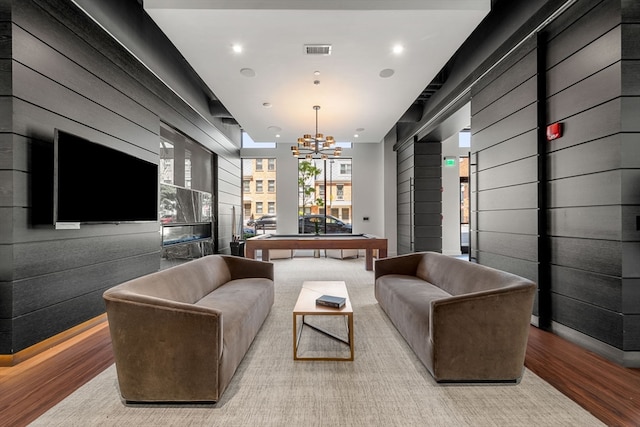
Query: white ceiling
x=351, y=92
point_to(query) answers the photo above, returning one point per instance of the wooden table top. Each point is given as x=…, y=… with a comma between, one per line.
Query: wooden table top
x=311, y=290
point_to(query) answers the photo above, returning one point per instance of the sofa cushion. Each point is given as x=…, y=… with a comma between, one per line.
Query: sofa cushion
x=407, y=302
x=244, y=304
x=185, y=283
x=458, y=277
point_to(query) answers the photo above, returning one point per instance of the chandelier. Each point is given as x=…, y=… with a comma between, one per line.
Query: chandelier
x=316, y=146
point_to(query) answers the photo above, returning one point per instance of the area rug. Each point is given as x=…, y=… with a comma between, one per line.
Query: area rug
x=386, y=385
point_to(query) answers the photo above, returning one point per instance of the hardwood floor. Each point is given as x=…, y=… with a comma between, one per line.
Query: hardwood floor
x=608, y=391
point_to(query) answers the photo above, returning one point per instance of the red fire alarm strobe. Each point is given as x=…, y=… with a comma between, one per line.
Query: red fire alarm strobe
x=554, y=131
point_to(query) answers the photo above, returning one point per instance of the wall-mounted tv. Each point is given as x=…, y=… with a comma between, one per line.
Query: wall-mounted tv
x=97, y=184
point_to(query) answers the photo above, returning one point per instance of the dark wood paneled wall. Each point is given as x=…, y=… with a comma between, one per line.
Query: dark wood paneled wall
x=590, y=59
x=504, y=176
x=595, y=243
x=405, y=183
x=428, y=196
x=61, y=70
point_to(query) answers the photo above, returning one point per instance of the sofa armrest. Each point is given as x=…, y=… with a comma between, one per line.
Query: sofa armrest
x=401, y=264
x=243, y=268
x=164, y=350
x=481, y=335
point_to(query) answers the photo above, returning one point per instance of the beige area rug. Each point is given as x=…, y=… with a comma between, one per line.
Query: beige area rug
x=385, y=386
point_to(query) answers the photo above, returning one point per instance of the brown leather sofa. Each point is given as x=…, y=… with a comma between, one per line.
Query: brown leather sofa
x=179, y=334
x=464, y=321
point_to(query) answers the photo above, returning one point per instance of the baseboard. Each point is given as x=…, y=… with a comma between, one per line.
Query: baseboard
x=628, y=359
x=7, y=360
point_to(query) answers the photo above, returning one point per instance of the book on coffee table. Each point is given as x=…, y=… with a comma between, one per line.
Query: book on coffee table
x=331, y=301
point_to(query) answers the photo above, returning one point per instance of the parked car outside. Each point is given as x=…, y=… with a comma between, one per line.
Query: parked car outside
x=265, y=221
x=316, y=224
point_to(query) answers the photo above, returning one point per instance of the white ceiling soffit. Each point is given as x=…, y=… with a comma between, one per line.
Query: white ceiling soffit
x=272, y=84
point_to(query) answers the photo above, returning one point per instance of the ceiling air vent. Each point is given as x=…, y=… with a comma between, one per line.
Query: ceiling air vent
x=317, y=49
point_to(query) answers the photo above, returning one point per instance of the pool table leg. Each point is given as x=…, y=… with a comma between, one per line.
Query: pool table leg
x=368, y=259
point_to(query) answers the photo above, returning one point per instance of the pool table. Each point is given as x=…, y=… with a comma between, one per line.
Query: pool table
x=367, y=242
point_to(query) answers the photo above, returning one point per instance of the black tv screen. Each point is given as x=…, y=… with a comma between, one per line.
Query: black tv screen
x=97, y=184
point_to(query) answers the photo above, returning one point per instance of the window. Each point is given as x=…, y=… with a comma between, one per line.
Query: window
x=262, y=195
x=166, y=162
x=324, y=188
x=187, y=168
x=245, y=186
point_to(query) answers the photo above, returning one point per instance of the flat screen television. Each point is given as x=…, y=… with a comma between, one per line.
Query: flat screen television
x=97, y=184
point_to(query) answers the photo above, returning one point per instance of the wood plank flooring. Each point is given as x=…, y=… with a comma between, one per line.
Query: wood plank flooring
x=608, y=391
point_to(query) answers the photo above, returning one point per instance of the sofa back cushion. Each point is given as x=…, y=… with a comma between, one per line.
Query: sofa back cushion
x=458, y=277
x=186, y=283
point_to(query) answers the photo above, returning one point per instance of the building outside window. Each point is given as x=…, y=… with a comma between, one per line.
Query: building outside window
x=259, y=200
x=325, y=187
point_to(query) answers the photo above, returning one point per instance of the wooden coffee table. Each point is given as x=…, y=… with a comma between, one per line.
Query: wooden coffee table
x=306, y=306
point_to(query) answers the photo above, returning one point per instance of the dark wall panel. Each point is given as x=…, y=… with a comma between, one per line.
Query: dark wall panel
x=597, y=256
x=520, y=246
x=590, y=222
x=590, y=287
x=520, y=97
x=521, y=66
x=518, y=123
x=592, y=320
x=66, y=72
x=404, y=182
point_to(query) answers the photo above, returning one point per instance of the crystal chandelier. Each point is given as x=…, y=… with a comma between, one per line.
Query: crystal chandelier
x=316, y=146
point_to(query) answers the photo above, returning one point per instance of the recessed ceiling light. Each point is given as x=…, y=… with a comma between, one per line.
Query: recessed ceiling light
x=316, y=73
x=266, y=104
x=237, y=48
x=275, y=129
x=359, y=129
x=277, y=135
x=387, y=72
x=356, y=136
x=248, y=72
x=397, y=49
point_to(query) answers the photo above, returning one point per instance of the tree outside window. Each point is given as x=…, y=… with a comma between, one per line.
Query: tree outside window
x=307, y=173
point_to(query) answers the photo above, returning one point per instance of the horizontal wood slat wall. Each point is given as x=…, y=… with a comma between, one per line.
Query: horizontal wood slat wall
x=59, y=69
x=405, y=176
x=591, y=60
x=505, y=177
